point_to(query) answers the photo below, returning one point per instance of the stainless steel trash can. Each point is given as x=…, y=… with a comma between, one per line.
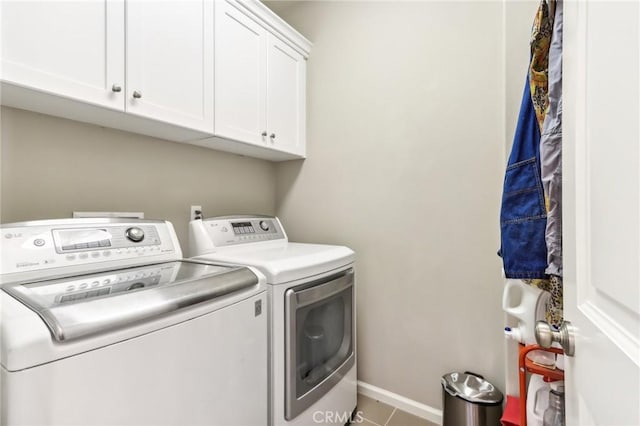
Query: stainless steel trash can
x=469, y=400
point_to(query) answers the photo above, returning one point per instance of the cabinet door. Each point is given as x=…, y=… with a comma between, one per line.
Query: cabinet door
x=240, y=73
x=170, y=61
x=286, y=97
x=73, y=49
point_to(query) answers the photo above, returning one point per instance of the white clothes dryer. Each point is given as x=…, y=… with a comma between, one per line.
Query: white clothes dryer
x=311, y=313
x=103, y=323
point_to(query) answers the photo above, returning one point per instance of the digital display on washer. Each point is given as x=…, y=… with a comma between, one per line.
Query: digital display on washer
x=240, y=228
x=77, y=239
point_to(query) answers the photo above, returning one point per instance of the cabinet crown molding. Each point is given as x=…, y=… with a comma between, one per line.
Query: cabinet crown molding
x=277, y=25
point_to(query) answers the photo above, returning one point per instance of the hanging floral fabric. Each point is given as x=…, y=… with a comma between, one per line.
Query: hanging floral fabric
x=539, y=66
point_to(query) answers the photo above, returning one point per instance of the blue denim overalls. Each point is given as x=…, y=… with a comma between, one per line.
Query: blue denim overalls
x=523, y=215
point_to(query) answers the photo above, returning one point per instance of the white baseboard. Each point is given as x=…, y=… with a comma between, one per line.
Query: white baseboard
x=405, y=404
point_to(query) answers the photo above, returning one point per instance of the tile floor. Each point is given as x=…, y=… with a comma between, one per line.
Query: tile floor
x=380, y=414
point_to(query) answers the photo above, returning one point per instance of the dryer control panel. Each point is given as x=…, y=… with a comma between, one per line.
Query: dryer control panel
x=230, y=231
x=83, y=245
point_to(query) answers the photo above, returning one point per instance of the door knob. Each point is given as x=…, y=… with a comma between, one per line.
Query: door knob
x=545, y=336
x=116, y=88
x=137, y=94
x=264, y=134
x=272, y=135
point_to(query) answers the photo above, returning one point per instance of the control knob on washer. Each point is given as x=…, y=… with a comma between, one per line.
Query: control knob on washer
x=135, y=234
x=264, y=225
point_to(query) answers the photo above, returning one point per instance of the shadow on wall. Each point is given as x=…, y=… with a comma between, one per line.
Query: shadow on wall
x=287, y=174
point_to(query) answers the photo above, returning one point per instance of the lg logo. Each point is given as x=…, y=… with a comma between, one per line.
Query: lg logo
x=324, y=417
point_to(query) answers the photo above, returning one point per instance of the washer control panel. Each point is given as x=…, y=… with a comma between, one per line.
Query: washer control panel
x=89, y=243
x=242, y=230
x=79, y=239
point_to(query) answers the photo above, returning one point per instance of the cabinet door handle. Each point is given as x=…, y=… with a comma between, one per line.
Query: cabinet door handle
x=272, y=135
x=264, y=134
x=137, y=94
x=116, y=88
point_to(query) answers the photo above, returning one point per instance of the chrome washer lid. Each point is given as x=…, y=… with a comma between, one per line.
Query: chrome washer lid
x=85, y=305
x=471, y=387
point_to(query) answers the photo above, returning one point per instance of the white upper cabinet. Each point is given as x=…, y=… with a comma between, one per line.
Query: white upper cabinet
x=169, y=59
x=286, y=84
x=260, y=78
x=72, y=49
x=240, y=75
x=162, y=69
x=223, y=74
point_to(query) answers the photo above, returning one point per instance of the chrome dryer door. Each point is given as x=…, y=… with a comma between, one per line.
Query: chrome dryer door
x=319, y=338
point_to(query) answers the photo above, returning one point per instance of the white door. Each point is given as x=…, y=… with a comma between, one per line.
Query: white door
x=240, y=73
x=286, y=79
x=170, y=61
x=602, y=210
x=74, y=49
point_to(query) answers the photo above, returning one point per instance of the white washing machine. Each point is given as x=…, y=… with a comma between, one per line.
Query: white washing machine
x=103, y=323
x=311, y=312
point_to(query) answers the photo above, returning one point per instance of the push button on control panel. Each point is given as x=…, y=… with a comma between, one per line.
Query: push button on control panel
x=38, y=242
x=80, y=246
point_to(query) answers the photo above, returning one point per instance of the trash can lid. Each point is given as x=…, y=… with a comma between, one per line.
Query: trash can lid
x=471, y=387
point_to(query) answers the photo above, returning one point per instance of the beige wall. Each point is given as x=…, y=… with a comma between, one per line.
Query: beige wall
x=51, y=167
x=406, y=157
